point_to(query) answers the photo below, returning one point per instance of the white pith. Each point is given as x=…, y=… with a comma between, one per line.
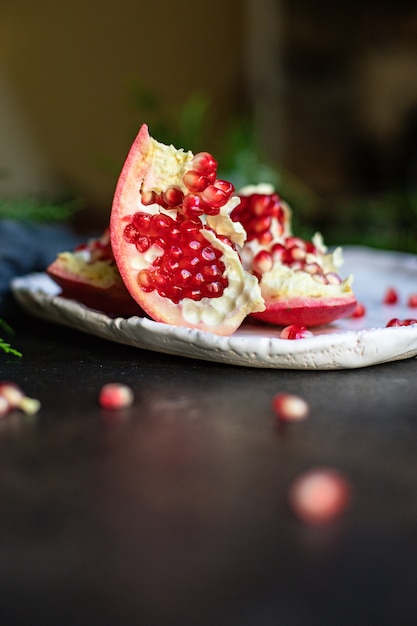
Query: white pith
x=102, y=273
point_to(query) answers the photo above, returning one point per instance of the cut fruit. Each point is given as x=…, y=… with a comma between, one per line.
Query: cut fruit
x=299, y=280
x=174, y=242
x=89, y=275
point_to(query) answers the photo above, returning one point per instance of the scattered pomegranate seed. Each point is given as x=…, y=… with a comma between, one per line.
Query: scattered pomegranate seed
x=12, y=397
x=319, y=496
x=359, y=310
x=391, y=296
x=397, y=322
x=289, y=407
x=295, y=331
x=412, y=301
x=116, y=396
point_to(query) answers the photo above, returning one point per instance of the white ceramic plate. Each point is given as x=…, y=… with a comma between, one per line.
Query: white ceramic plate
x=348, y=343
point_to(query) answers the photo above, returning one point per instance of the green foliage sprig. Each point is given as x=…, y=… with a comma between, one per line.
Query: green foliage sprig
x=37, y=209
x=4, y=345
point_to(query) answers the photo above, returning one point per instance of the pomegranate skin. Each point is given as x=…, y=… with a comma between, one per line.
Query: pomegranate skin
x=146, y=172
x=306, y=311
x=113, y=300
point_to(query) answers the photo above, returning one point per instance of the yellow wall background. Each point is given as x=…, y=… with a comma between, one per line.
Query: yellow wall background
x=68, y=66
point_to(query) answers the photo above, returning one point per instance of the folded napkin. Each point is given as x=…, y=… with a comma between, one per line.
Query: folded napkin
x=29, y=247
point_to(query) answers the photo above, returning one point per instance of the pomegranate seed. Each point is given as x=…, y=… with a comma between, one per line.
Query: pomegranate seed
x=412, y=301
x=180, y=270
x=312, y=268
x=14, y=398
x=397, y=322
x=173, y=196
x=333, y=278
x=194, y=206
x=289, y=407
x=320, y=278
x=391, y=296
x=205, y=164
x=359, y=310
x=218, y=193
x=262, y=262
x=148, y=197
x=319, y=496
x=295, y=331
x=115, y=396
x=4, y=406
x=195, y=182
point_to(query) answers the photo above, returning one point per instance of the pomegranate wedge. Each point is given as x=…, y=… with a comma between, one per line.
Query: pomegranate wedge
x=174, y=242
x=89, y=275
x=299, y=280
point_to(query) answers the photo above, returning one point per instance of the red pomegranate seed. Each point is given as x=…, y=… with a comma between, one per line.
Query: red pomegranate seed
x=391, y=296
x=194, y=206
x=173, y=196
x=359, y=310
x=412, y=301
x=262, y=262
x=195, y=182
x=218, y=193
x=115, y=396
x=320, y=495
x=289, y=407
x=295, y=331
x=397, y=322
x=205, y=164
x=180, y=270
x=12, y=397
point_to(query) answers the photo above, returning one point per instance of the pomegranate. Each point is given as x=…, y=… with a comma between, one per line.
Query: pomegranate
x=89, y=275
x=174, y=242
x=299, y=280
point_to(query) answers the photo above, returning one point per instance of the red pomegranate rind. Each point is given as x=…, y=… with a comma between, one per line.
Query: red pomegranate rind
x=113, y=300
x=89, y=275
x=178, y=262
x=306, y=311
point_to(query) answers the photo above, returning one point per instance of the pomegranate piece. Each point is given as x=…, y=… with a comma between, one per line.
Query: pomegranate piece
x=391, y=296
x=89, y=275
x=319, y=496
x=115, y=396
x=290, y=407
x=299, y=281
x=12, y=397
x=174, y=243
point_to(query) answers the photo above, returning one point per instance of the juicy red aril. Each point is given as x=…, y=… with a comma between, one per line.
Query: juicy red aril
x=412, y=301
x=320, y=495
x=359, y=310
x=218, y=193
x=189, y=267
x=193, y=206
x=391, y=296
x=205, y=164
x=295, y=331
x=256, y=212
x=195, y=182
x=173, y=196
x=262, y=262
x=397, y=322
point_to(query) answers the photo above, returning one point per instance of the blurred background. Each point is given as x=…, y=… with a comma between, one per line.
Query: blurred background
x=319, y=98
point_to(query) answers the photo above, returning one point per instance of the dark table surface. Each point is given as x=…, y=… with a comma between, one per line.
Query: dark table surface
x=175, y=511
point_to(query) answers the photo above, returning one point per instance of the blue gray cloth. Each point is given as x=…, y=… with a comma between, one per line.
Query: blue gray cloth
x=29, y=247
